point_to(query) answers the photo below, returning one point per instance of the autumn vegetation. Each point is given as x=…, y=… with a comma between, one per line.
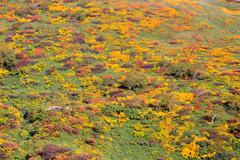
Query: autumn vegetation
x=119, y=80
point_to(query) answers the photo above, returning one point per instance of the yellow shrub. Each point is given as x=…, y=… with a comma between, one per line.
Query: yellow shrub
x=2, y=28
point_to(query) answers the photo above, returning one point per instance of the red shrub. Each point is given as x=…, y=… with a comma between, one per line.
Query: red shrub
x=234, y=90
x=142, y=143
x=149, y=13
x=97, y=22
x=28, y=27
x=88, y=57
x=74, y=121
x=235, y=1
x=20, y=64
x=94, y=135
x=100, y=39
x=52, y=128
x=126, y=65
x=50, y=151
x=79, y=40
x=229, y=74
x=20, y=55
x=98, y=68
x=152, y=142
x=107, y=76
x=161, y=70
x=11, y=19
x=35, y=40
x=139, y=63
x=238, y=71
x=4, y=106
x=96, y=51
x=76, y=131
x=91, y=141
x=147, y=66
x=209, y=107
x=9, y=145
x=158, y=86
x=68, y=1
x=116, y=93
x=9, y=38
x=236, y=134
x=84, y=157
x=26, y=32
x=105, y=2
x=53, y=114
x=118, y=9
x=232, y=120
x=90, y=15
x=68, y=129
x=133, y=19
x=81, y=71
x=69, y=64
x=201, y=28
x=34, y=19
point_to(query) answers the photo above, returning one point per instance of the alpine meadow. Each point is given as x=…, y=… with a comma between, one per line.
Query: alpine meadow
x=120, y=80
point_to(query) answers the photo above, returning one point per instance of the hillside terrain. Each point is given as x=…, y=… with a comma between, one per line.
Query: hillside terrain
x=120, y=80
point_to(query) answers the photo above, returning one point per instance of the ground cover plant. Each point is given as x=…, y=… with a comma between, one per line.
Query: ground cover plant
x=120, y=80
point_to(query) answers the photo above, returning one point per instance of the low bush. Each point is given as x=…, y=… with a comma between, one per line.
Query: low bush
x=130, y=113
x=135, y=79
x=223, y=156
x=50, y=151
x=91, y=141
x=8, y=59
x=152, y=142
x=78, y=15
x=44, y=5
x=82, y=3
x=23, y=11
x=98, y=68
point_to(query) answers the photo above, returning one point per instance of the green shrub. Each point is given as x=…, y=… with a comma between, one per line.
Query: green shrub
x=179, y=69
x=163, y=63
x=130, y=113
x=82, y=3
x=135, y=79
x=235, y=143
x=8, y=58
x=233, y=102
x=15, y=26
x=44, y=5
x=223, y=156
x=78, y=15
x=23, y=11
x=185, y=69
x=204, y=146
x=65, y=14
x=149, y=116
